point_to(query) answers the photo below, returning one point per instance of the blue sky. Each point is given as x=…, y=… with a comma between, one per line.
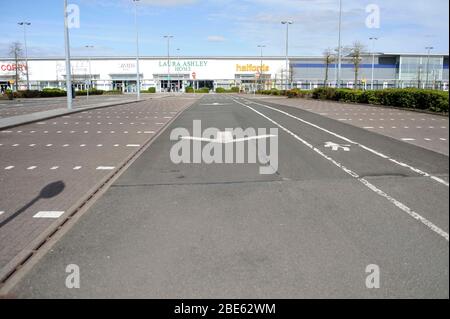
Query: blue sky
x=224, y=27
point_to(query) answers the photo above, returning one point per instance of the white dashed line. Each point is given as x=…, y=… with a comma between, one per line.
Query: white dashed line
x=9, y=168
x=105, y=168
x=31, y=168
x=49, y=214
x=408, y=139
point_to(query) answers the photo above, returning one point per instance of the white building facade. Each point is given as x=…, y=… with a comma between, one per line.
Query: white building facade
x=163, y=74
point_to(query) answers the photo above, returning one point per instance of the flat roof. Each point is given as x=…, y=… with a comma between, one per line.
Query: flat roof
x=174, y=57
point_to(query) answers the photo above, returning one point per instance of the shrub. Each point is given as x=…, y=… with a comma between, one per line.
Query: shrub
x=431, y=100
x=298, y=93
x=221, y=90
x=151, y=90
x=53, y=93
x=113, y=92
x=235, y=89
x=189, y=89
x=91, y=92
x=27, y=94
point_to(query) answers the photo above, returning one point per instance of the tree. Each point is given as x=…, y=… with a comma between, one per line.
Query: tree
x=356, y=52
x=16, y=52
x=328, y=58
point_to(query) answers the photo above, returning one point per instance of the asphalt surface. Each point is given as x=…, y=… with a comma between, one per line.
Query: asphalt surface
x=166, y=230
x=76, y=152
x=19, y=107
x=429, y=131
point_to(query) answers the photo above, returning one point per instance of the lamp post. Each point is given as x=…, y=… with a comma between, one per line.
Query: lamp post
x=287, y=23
x=138, y=75
x=25, y=24
x=261, y=69
x=178, y=73
x=68, y=65
x=428, y=64
x=338, y=84
x=90, y=71
x=373, y=60
x=168, y=37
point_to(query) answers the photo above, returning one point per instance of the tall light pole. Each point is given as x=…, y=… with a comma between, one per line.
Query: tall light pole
x=168, y=37
x=138, y=75
x=338, y=84
x=178, y=73
x=428, y=64
x=90, y=71
x=373, y=60
x=287, y=23
x=25, y=24
x=261, y=69
x=68, y=66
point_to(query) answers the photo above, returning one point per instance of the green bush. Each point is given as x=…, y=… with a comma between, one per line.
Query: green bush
x=221, y=90
x=431, y=100
x=190, y=89
x=294, y=93
x=151, y=90
x=53, y=93
x=113, y=92
x=91, y=92
x=235, y=89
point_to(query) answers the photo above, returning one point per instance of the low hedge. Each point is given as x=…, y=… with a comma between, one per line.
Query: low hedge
x=190, y=89
x=150, y=90
x=232, y=90
x=53, y=93
x=91, y=92
x=429, y=100
x=113, y=92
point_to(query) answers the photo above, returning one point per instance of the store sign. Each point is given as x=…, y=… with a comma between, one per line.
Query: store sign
x=252, y=68
x=184, y=66
x=13, y=67
x=125, y=67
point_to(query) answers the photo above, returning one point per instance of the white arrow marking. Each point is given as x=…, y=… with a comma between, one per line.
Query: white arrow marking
x=336, y=147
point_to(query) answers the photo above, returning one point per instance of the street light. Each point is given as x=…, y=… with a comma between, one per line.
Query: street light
x=261, y=70
x=138, y=75
x=428, y=64
x=168, y=37
x=68, y=66
x=373, y=59
x=25, y=24
x=338, y=81
x=287, y=23
x=90, y=70
x=178, y=73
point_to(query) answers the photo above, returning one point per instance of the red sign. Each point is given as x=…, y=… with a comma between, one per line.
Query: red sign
x=12, y=67
x=194, y=75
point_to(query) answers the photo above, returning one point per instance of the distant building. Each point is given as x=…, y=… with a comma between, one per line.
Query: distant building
x=247, y=73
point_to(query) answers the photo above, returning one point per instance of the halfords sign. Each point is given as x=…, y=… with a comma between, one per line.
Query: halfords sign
x=186, y=66
x=13, y=67
x=252, y=68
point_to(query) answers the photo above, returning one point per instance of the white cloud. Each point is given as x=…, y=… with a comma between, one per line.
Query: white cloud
x=216, y=38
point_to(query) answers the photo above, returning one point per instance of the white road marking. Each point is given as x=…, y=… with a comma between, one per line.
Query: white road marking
x=1, y=213
x=76, y=168
x=9, y=168
x=54, y=168
x=408, y=139
x=416, y=170
x=31, y=168
x=105, y=168
x=372, y=187
x=49, y=214
x=133, y=145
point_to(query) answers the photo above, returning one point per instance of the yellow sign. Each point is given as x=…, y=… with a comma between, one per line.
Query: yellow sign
x=11, y=81
x=252, y=68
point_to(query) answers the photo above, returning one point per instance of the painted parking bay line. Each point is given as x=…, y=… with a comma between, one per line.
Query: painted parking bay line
x=353, y=174
x=105, y=168
x=49, y=214
x=416, y=170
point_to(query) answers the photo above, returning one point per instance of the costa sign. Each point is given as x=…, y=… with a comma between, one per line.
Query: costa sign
x=13, y=67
